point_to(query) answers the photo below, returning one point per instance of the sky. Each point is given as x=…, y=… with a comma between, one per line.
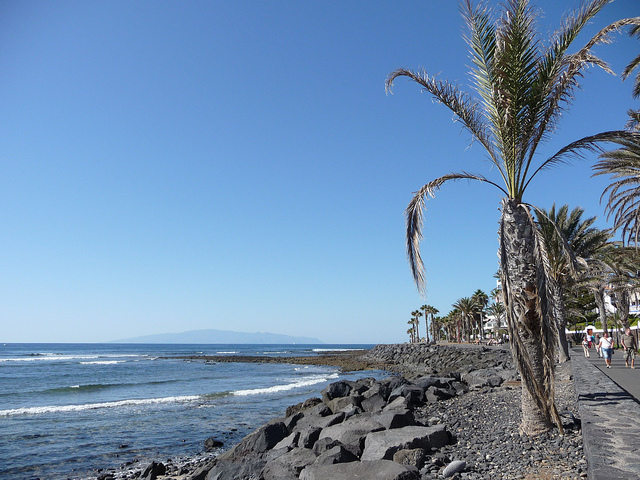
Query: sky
x=237, y=165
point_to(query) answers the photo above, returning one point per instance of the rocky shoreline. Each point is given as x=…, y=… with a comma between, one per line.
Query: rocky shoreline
x=449, y=411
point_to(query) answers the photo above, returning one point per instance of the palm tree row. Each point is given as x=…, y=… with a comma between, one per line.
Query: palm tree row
x=522, y=88
x=413, y=331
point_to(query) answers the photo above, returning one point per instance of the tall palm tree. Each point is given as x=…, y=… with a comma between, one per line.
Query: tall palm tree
x=613, y=270
x=523, y=87
x=416, y=314
x=482, y=300
x=466, y=307
x=433, y=311
x=568, y=240
x=436, y=326
x=410, y=331
x=426, y=321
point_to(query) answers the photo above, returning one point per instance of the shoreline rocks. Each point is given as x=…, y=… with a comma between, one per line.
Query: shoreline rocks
x=454, y=413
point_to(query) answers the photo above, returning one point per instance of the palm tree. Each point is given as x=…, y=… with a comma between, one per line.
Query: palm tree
x=410, y=331
x=416, y=314
x=568, y=240
x=523, y=87
x=482, y=300
x=623, y=164
x=436, y=326
x=429, y=310
x=426, y=321
x=497, y=311
x=466, y=307
x=433, y=311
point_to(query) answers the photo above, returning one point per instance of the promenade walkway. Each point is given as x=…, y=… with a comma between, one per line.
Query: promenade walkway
x=609, y=403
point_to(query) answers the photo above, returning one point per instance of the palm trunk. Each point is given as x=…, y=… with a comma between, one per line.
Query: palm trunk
x=598, y=295
x=560, y=316
x=532, y=338
x=623, y=308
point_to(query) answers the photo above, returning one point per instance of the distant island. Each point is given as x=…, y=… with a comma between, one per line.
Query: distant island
x=220, y=336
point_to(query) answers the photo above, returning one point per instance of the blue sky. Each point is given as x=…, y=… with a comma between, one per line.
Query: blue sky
x=173, y=166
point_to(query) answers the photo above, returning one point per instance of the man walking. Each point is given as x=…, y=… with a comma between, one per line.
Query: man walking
x=630, y=346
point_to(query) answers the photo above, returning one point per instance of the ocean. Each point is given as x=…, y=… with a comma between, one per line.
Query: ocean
x=69, y=409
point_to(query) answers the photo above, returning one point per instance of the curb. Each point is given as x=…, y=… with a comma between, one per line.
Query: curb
x=610, y=424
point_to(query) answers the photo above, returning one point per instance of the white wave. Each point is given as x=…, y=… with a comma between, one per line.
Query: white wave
x=103, y=362
x=58, y=357
x=221, y=353
x=336, y=349
x=304, y=382
x=95, y=406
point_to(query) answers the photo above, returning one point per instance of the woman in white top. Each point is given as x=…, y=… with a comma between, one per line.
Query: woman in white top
x=606, y=347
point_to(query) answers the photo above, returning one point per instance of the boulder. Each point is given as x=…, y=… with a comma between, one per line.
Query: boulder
x=374, y=403
x=377, y=470
x=263, y=439
x=435, y=394
x=288, y=465
x=400, y=402
x=395, y=418
x=486, y=377
x=351, y=410
x=288, y=442
x=413, y=393
x=302, y=406
x=325, y=444
x=336, y=454
x=211, y=443
x=319, y=421
x=362, y=385
x=338, y=404
x=415, y=457
x=352, y=430
x=250, y=467
x=309, y=436
x=292, y=420
x=336, y=389
x=384, y=444
x=153, y=470
x=432, y=381
x=378, y=388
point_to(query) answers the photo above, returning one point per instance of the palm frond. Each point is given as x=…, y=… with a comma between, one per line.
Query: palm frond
x=414, y=215
x=462, y=105
x=623, y=165
x=559, y=72
x=578, y=148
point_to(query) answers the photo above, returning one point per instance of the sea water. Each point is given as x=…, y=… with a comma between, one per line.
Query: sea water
x=69, y=409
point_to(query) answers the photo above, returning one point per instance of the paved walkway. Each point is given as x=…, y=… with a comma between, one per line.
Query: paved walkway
x=609, y=406
x=627, y=378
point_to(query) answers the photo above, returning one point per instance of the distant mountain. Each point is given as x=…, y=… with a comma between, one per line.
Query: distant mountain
x=219, y=336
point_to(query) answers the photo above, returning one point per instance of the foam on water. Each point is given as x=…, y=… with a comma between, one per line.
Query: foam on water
x=95, y=406
x=103, y=362
x=307, y=381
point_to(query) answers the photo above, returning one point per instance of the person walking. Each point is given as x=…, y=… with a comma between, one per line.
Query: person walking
x=606, y=347
x=585, y=346
x=630, y=346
